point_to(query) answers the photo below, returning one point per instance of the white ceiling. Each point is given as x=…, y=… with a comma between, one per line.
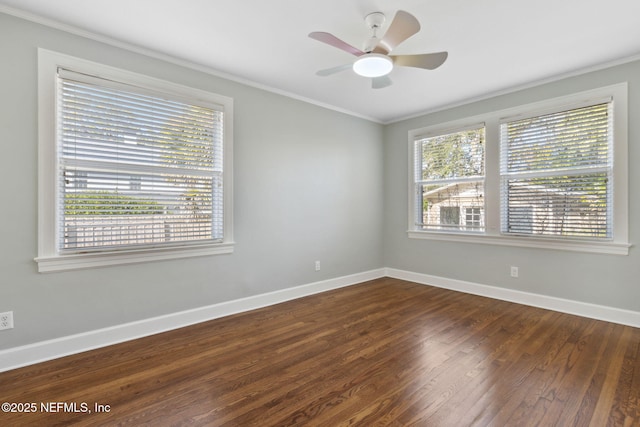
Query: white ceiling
x=494, y=45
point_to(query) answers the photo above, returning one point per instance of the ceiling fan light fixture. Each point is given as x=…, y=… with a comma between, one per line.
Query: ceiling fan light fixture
x=373, y=65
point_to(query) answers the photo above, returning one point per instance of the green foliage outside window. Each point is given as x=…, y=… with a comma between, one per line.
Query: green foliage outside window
x=109, y=203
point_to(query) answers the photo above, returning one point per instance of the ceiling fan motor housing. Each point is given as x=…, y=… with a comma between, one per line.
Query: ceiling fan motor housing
x=374, y=21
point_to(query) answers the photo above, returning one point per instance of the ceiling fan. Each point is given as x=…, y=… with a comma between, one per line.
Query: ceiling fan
x=375, y=60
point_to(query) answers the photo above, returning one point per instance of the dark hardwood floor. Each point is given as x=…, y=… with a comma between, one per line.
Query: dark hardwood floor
x=382, y=353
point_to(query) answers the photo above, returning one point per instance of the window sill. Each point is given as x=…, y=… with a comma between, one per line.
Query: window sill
x=48, y=264
x=609, y=248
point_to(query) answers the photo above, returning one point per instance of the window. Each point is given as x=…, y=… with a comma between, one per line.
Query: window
x=473, y=217
x=548, y=175
x=77, y=179
x=450, y=215
x=556, y=174
x=137, y=168
x=449, y=175
x=135, y=183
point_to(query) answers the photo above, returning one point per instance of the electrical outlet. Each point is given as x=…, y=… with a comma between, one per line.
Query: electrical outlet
x=6, y=320
x=514, y=271
x=317, y=265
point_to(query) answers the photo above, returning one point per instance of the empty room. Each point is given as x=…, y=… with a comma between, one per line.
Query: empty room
x=371, y=213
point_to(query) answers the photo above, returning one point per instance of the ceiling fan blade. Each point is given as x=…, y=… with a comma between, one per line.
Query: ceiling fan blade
x=429, y=61
x=333, y=70
x=380, y=82
x=332, y=40
x=403, y=26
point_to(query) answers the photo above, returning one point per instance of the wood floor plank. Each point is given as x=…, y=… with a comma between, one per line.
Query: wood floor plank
x=382, y=353
x=605, y=412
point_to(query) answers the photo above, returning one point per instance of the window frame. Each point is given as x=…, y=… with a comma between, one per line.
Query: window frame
x=510, y=173
x=49, y=256
x=419, y=181
x=618, y=245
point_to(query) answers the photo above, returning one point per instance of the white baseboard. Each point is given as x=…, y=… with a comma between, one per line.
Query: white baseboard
x=52, y=349
x=593, y=311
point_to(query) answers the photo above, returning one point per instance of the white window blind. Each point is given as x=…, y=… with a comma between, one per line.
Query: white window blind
x=136, y=168
x=449, y=179
x=556, y=174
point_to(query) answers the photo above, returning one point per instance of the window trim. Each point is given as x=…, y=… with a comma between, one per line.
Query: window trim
x=619, y=245
x=49, y=257
x=436, y=132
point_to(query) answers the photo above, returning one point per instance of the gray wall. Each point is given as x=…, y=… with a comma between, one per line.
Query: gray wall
x=600, y=279
x=309, y=184
x=307, y=187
